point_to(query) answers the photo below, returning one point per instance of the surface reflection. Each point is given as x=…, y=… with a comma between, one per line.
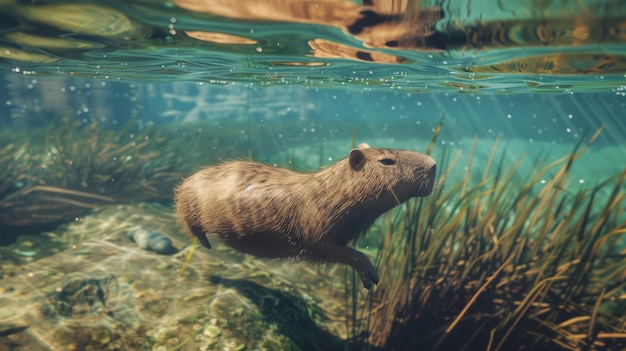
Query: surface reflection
x=435, y=45
x=376, y=24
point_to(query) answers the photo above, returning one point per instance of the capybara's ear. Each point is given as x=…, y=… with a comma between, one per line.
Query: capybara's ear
x=357, y=160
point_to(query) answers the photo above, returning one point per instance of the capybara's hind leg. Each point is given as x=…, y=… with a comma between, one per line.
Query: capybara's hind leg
x=201, y=235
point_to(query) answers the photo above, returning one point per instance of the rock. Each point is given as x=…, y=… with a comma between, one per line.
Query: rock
x=151, y=240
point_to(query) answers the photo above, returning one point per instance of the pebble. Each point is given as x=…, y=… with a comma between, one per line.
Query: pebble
x=27, y=253
x=150, y=240
x=212, y=331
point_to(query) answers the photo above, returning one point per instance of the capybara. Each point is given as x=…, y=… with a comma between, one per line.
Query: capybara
x=273, y=212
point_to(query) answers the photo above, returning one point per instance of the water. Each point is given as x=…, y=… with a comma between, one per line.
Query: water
x=449, y=46
x=106, y=106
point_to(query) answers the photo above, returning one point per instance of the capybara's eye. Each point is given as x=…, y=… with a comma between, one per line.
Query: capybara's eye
x=387, y=161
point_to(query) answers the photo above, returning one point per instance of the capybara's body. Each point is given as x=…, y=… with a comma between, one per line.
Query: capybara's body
x=274, y=212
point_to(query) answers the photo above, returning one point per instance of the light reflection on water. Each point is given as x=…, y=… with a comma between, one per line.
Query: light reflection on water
x=470, y=46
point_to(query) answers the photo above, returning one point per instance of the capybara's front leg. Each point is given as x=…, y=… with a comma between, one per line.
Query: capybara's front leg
x=334, y=253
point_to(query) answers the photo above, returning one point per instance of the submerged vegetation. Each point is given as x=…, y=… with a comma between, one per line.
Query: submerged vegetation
x=66, y=170
x=511, y=261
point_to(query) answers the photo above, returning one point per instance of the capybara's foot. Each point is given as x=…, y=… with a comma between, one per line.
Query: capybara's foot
x=204, y=241
x=368, y=277
x=367, y=271
x=199, y=233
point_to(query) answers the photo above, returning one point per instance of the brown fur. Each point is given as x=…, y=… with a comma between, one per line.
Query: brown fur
x=274, y=212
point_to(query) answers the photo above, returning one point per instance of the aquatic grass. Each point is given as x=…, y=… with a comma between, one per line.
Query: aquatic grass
x=67, y=168
x=505, y=261
x=192, y=249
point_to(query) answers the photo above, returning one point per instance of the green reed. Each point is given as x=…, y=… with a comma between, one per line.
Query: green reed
x=502, y=262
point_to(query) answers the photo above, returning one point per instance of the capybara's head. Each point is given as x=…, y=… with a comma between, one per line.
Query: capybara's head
x=407, y=173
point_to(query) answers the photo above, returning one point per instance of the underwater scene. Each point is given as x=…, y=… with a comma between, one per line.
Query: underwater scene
x=313, y=175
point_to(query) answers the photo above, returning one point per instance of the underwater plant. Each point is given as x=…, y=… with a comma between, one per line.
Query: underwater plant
x=507, y=262
x=66, y=169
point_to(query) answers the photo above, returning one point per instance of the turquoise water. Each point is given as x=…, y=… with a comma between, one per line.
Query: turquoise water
x=106, y=106
x=465, y=46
